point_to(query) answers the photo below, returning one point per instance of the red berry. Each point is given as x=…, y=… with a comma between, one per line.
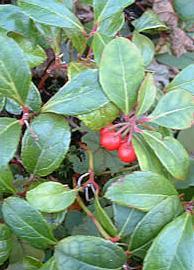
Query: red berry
x=110, y=140
x=108, y=128
x=126, y=153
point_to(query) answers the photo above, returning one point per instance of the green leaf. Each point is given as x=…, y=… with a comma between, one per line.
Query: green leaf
x=111, y=25
x=180, y=62
x=83, y=89
x=33, y=102
x=49, y=265
x=141, y=190
x=126, y=219
x=104, y=219
x=75, y=68
x=27, y=223
x=152, y=223
x=6, y=178
x=103, y=159
x=51, y=197
x=147, y=159
x=13, y=84
x=189, y=181
x=5, y=243
x=185, y=137
x=45, y=144
x=173, y=247
x=121, y=59
x=170, y=152
x=104, y=9
x=174, y=110
x=88, y=253
x=21, y=249
x=8, y=127
x=2, y=103
x=35, y=55
x=149, y=22
x=146, y=95
x=184, y=9
x=12, y=19
x=98, y=43
x=54, y=13
x=183, y=81
x=146, y=47
x=97, y=119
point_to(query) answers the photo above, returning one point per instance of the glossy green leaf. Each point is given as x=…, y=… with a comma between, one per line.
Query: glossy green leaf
x=180, y=62
x=111, y=25
x=141, y=190
x=83, y=89
x=147, y=159
x=170, y=152
x=152, y=223
x=45, y=144
x=51, y=197
x=149, y=22
x=184, y=9
x=88, y=253
x=146, y=95
x=121, y=59
x=13, y=84
x=104, y=9
x=54, y=13
x=5, y=243
x=75, y=68
x=146, y=47
x=50, y=265
x=6, y=180
x=27, y=223
x=98, y=44
x=126, y=219
x=174, y=110
x=173, y=247
x=183, y=81
x=35, y=55
x=104, y=219
x=8, y=127
x=12, y=19
x=33, y=101
x=101, y=117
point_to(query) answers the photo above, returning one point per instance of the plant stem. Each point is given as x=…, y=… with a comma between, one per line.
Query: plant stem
x=93, y=218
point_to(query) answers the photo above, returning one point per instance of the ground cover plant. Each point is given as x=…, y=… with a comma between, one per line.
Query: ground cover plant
x=96, y=135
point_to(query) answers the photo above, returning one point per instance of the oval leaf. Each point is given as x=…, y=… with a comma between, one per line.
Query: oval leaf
x=146, y=95
x=149, y=22
x=101, y=117
x=184, y=80
x=170, y=152
x=13, y=84
x=83, y=89
x=8, y=127
x=45, y=144
x=146, y=47
x=88, y=253
x=151, y=224
x=54, y=13
x=104, y=9
x=141, y=190
x=5, y=243
x=174, y=110
x=173, y=247
x=51, y=197
x=6, y=179
x=121, y=72
x=27, y=223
